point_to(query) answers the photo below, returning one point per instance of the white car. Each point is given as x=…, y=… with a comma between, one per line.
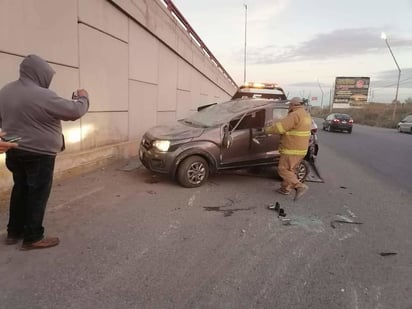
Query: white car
x=405, y=125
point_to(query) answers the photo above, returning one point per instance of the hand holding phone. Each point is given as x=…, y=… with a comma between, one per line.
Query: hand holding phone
x=4, y=145
x=80, y=93
x=10, y=138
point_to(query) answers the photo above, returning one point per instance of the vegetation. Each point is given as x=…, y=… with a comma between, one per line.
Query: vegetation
x=372, y=114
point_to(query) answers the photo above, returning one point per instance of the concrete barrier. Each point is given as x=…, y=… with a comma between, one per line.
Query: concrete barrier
x=138, y=63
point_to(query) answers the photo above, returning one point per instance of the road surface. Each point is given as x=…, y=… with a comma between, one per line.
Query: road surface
x=130, y=239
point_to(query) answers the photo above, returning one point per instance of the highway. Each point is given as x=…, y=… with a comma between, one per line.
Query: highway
x=383, y=152
x=130, y=239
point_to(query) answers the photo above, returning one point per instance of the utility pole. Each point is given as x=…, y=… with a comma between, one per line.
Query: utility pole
x=330, y=100
x=383, y=36
x=244, y=64
x=321, y=100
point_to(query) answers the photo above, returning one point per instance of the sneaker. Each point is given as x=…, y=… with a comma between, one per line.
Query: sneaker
x=300, y=191
x=283, y=191
x=44, y=243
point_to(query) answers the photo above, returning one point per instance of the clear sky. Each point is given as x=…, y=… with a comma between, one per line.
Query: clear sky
x=304, y=44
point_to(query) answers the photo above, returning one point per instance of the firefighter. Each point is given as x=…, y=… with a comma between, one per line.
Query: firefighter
x=294, y=141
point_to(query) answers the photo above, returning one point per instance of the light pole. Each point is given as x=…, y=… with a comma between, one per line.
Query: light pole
x=383, y=36
x=330, y=100
x=321, y=100
x=244, y=59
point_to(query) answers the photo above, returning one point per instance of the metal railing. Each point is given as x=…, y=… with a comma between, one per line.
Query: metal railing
x=192, y=33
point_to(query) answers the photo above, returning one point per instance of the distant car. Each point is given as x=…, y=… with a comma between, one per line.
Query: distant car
x=228, y=135
x=338, y=122
x=405, y=125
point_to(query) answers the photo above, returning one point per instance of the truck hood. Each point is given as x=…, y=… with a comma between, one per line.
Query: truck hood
x=174, y=132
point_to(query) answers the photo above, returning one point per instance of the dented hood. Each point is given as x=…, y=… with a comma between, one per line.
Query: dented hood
x=174, y=132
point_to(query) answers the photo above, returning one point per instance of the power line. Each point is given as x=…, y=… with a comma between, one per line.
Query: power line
x=391, y=85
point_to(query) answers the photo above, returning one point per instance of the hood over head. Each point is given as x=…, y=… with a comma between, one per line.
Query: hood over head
x=37, y=69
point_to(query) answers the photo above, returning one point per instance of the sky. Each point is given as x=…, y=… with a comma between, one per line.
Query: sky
x=304, y=44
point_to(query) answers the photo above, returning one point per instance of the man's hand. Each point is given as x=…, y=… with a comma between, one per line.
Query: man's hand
x=4, y=146
x=82, y=93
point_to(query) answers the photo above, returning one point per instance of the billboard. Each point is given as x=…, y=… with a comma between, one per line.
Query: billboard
x=351, y=91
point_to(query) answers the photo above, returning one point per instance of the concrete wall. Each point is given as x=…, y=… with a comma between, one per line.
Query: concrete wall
x=139, y=65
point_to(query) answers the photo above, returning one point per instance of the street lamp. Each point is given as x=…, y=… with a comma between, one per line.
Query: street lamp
x=321, y=90
x=244, y=64
x=384, y=37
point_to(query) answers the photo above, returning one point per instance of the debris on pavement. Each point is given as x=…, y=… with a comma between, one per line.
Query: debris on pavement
x=313, y=174
x=226, y=212
x=333, y=223
x=388, y=253
x=276, y=207
x=286, y=221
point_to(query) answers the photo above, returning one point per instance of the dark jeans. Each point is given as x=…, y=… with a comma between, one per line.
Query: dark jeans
x=33, y=178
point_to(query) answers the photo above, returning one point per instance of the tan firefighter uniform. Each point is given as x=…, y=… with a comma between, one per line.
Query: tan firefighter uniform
x=294, y=141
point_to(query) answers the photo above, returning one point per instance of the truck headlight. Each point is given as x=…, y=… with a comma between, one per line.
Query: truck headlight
x=161, y=145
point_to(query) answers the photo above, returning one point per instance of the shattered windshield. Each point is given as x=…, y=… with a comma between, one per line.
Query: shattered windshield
x=221, y=113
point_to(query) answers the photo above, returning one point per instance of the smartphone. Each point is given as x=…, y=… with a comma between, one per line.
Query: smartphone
x=10, y=139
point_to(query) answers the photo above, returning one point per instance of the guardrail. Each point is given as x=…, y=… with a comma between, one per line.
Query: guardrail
x=192, y=33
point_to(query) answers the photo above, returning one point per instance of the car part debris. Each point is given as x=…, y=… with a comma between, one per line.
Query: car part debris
x=388, y=253
x=286, y=221
x=282, y=213
x=313, y=172
x=333, y=225
x=276, y=207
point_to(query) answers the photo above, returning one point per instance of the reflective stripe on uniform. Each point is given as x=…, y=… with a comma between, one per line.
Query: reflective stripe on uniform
x=298, y=133
x=293, y=152
x=280, y=128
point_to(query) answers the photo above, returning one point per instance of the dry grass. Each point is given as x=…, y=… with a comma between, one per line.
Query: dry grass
x=372, y=114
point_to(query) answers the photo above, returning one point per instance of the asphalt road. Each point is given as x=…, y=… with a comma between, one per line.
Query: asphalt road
x=385, y=153
x=133, y=240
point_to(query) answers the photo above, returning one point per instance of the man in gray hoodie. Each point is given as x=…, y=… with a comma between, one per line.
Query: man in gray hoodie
x=31, y=111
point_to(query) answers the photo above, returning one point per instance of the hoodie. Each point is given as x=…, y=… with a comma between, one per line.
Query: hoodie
x=33, y=112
